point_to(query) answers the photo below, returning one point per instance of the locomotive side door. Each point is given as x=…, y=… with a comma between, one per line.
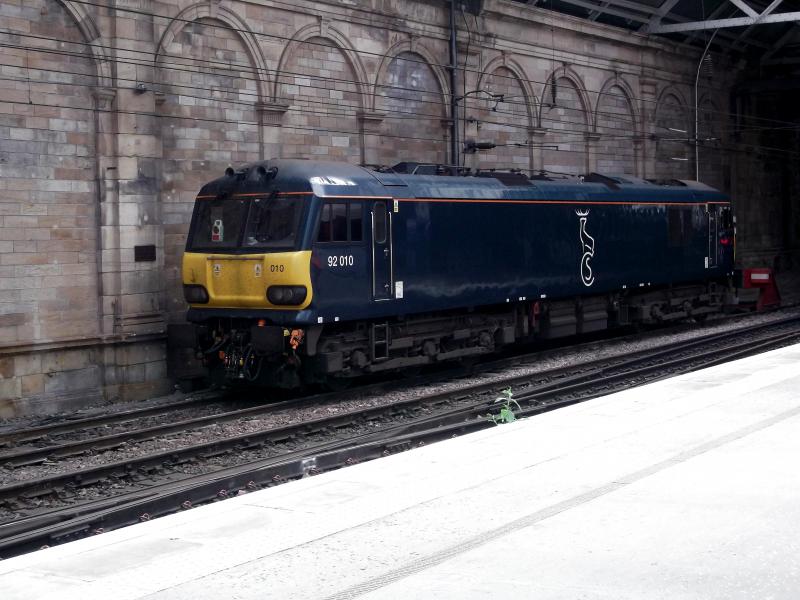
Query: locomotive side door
x=713, y=235
x=382, y=275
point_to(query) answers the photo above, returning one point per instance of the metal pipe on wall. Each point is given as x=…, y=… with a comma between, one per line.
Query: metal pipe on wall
x=454, y=155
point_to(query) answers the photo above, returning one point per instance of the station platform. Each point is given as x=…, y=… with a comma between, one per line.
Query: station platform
x=686, y=488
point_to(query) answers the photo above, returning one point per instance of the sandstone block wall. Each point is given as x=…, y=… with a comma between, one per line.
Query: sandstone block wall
x=113, y=115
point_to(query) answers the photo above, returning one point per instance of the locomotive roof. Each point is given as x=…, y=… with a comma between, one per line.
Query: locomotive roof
x=326, y=178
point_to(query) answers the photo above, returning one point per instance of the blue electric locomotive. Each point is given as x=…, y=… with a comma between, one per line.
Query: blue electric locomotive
x=303, y=271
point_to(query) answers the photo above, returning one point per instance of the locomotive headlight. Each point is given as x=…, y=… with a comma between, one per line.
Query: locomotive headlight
x=286, y=294
x=195, y=294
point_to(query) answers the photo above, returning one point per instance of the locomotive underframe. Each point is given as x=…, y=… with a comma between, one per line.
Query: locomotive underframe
x=258, y=352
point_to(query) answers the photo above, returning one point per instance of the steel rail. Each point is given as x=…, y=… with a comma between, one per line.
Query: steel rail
x=71, y=425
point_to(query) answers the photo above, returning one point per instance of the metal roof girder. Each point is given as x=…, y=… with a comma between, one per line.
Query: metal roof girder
x=623, y=14
x=594, y=14
x=659, y=14
x=782, y=41
x=767, y=11
x=742, y=6
x=726, y=23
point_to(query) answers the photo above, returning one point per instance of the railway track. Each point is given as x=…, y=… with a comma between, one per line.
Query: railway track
x=14, y=440
x=295, y=450
x=73, y=436
x=44, y=433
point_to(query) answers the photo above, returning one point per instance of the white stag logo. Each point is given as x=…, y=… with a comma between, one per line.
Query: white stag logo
x=587, y=242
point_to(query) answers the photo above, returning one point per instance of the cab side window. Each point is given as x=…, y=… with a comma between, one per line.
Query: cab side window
x=324, y=234
x=341, y=222
x=727, y=218
x=356, y=221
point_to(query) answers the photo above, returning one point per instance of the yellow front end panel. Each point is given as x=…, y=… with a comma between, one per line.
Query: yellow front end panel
x=241, y=280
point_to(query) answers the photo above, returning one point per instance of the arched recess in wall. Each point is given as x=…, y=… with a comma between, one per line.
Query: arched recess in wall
x=49, y=199
x=212, y=78
x=503, y=123
x=674, y=152
x=410, y=95
x=566, y=117
x=710, y=148
x=324, y=82
x=618, y=127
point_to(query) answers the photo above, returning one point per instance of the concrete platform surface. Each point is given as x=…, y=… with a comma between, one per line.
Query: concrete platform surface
x=687, y=488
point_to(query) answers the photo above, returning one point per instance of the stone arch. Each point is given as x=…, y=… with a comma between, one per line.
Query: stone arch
x=319, y=30
x=317, y=78
x=617, y=127
x=214, y=84
x=671, y=90
x=709, y=137
x=566, y=124
x=627, y=90
x=674, y=152
x=212, y=10
x=412, y=110
x=516, y=69
x=90, y=31
x=708, y=114
x=52, y=236
x=569, y=74
x=413, y=46
x=512, y=121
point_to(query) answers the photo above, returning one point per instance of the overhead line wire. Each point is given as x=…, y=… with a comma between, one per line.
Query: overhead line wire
x=226, y=26
x=321, y=78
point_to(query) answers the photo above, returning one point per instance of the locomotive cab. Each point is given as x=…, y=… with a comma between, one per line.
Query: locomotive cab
x=247, y=269
x=261, y=241
x=246, y=252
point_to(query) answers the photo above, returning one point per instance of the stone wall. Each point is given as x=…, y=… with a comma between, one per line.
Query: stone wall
x=112, y=118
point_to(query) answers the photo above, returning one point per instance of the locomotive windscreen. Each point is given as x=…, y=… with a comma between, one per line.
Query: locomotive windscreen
x=260, y=224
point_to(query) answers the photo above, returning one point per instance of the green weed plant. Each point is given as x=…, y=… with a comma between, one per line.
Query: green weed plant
x=506, y=414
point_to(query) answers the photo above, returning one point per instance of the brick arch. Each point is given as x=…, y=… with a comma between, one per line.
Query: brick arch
x=339, y=41
x=531, y=102
x=412, y=47
x=211, y=10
